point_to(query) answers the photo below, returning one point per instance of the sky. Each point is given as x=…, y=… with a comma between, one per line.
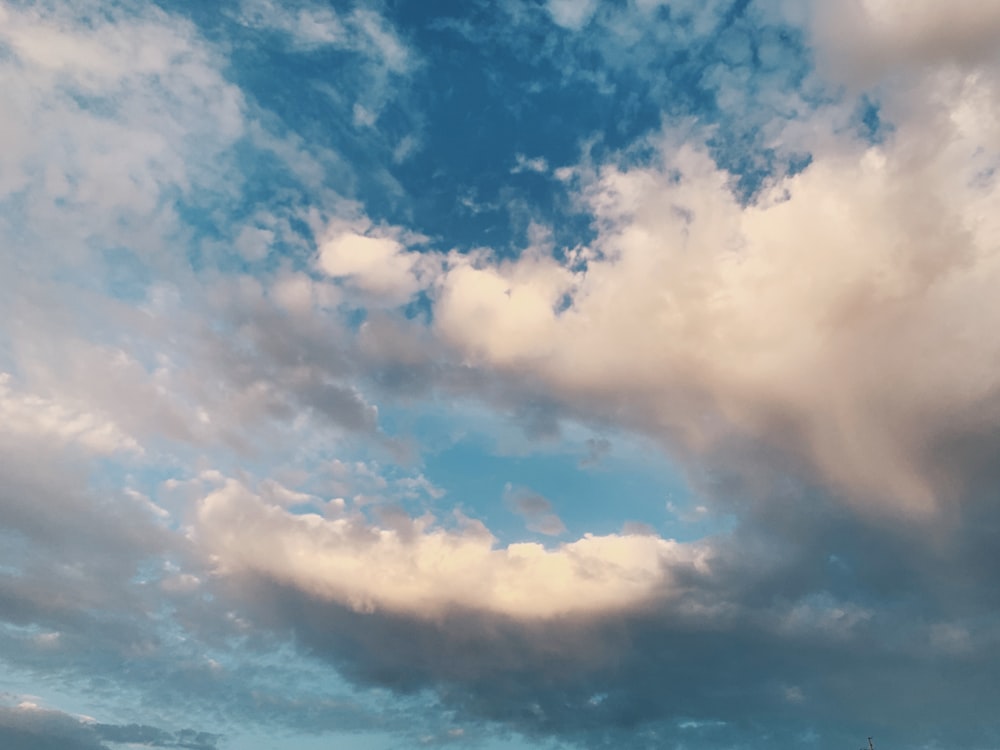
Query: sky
x=499, y=374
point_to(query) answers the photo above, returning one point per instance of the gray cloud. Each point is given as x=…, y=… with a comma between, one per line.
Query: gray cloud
x=536, y=510
x=811, y=622
x=26, y=727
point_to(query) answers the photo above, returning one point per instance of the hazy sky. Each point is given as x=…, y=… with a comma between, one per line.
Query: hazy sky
x=499, y=374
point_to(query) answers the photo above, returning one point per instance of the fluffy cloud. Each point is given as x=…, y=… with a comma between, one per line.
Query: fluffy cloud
x=790, y=615
x=419, y=569
x=107, y=117
x=843, y=315
x=380, y=266
x=35, y=416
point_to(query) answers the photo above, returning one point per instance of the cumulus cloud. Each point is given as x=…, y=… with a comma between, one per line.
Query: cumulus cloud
x=822, y=317
x=420, y=569
x=771, y=616
x=380, y=266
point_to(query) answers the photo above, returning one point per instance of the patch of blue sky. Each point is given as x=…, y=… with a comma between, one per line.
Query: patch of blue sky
x=868, y=121
x=592, y=490
x=14, y=219
x=491, y=97
x=126, y=276
x=660, y=82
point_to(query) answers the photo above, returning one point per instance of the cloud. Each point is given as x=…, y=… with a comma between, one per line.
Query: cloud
x=380, y=266
x=818, y=318
x=536, y=510
x=865, y=40
x=35, y=416
x=306, y=26
x=110, y=116
x=761, y=619
x=510, y=306
x=538, y=164
x=30, y=727
x=571, y=15
x=384, y=58
x=74, y=563
x=814, y=344
x=309, y=26
x=417, y=568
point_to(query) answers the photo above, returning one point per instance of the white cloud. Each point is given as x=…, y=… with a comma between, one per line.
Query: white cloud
x=105, y=116
x=503, y=312
x=299, y=294
x=382, y=42
x=524, y=164
x=571, y=14
x=254, y=243
x=378, y=265
x=32, y=416
x=420, y=569
x=844, y=317
x=309, y=26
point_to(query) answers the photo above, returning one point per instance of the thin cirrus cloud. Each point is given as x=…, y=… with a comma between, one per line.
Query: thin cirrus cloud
x=300, y=302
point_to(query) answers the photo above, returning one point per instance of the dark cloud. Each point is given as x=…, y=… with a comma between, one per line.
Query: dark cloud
x=30, y=728
x=71, y=556
x=810, y=623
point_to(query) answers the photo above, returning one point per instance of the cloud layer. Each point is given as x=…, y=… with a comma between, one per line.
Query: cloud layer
x=610, y=375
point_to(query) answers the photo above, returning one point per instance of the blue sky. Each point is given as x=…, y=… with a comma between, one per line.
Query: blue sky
x=519, y=374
